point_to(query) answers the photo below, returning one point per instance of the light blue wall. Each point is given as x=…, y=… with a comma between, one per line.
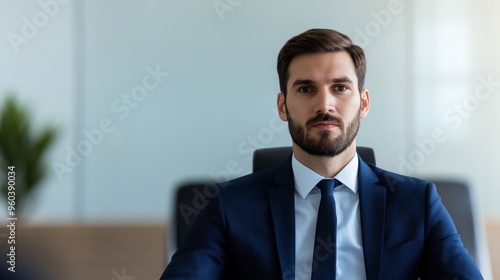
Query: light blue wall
x=202, y=119
x=220, y=92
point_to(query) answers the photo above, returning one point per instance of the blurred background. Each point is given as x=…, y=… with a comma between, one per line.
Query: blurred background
x=146, y=95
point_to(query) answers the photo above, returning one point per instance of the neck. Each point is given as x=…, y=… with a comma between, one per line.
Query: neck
x=325, y=166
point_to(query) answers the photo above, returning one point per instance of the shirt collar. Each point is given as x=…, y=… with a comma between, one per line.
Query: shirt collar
x=306, y=179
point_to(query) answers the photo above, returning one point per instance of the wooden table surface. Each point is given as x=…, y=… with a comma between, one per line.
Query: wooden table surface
x=124, y=252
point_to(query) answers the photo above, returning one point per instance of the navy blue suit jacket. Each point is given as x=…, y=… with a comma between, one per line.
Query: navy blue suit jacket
x=247, y=231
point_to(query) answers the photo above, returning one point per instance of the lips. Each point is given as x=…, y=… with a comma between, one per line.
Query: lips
x=325, y=125
x=325, y=122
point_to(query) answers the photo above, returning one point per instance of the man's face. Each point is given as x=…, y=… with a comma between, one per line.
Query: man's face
x=323, y=105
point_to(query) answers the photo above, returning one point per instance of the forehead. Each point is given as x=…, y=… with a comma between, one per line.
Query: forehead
x=322, y=67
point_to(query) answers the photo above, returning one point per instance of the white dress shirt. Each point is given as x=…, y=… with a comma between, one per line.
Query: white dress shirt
x=350, y=260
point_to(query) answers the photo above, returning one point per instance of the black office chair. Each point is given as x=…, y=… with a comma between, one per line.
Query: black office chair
x=190, y=200
x=458, y=199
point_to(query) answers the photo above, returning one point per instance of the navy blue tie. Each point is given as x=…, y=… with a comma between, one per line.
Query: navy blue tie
x=325, y=241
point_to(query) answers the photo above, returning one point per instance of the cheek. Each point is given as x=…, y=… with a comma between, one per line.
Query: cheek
x=297, y=114
x=350, y=110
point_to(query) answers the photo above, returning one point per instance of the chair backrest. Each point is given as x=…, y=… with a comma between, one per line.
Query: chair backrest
x=190, y=200
x=456, y=197
x=273, y=157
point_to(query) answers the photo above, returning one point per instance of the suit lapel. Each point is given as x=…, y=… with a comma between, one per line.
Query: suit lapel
x=372, y=209
x=281, y=201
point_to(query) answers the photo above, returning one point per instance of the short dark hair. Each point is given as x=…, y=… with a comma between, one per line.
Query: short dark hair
x=319, y=41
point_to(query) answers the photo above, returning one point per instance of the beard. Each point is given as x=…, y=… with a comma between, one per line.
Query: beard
x=324, y=146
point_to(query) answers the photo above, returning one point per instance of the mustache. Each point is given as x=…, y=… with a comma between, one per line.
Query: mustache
x=325, y=117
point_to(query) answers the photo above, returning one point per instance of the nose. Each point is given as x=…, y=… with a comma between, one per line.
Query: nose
x=324, y=101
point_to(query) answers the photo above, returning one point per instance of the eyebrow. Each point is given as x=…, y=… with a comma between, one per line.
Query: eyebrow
x=343, y=79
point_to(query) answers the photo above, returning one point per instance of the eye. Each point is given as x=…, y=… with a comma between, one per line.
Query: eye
x=341, y=88
x=305, y=89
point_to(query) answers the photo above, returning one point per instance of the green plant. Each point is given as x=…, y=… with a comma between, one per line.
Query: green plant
x=22, y=148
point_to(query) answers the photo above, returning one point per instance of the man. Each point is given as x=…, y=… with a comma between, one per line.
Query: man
x=366, y=223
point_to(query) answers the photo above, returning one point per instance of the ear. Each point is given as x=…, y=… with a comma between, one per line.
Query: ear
x=282, y=106
x=365, y=103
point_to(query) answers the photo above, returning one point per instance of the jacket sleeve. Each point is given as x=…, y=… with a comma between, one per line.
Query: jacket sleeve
x=445, y=257
x=202, y=254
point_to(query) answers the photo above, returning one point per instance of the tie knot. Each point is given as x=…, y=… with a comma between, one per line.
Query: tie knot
x=327, y=185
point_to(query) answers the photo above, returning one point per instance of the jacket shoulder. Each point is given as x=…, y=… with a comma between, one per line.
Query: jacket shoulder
x=394, y=181
x=251, y=182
